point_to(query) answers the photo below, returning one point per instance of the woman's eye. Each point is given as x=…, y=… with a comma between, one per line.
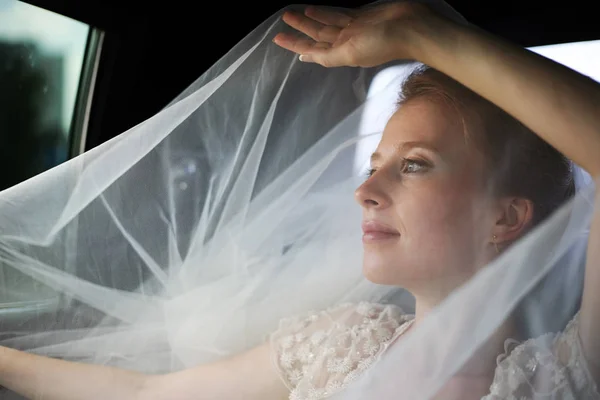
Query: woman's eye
x=409, y=166
x=413, y=166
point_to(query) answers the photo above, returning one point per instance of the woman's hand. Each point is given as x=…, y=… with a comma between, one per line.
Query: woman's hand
x=363, y=37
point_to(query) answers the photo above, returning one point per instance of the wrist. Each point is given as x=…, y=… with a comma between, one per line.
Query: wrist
x=427, y=35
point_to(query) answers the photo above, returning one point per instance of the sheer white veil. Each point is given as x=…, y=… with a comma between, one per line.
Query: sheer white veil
x=187, y=238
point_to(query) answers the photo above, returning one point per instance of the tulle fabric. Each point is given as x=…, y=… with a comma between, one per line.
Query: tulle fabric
x=189, y=237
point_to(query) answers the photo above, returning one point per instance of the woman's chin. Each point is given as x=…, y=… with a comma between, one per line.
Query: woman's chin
x=377, y=272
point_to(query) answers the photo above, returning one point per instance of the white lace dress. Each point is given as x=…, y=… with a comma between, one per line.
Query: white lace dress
x=320, y=354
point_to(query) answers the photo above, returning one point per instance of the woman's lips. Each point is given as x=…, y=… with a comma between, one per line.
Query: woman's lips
x=374, y=232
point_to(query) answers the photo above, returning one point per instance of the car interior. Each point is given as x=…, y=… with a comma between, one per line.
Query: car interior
x=78, y=74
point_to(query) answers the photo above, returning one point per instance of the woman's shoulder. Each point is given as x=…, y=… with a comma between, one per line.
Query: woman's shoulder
x=552, y=365
x=321, y=352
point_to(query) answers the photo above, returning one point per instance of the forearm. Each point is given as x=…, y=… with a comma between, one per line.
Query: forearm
x=560, y=105
x=37, y=377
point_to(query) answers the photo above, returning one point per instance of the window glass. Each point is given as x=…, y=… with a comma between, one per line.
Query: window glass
x=41, y=59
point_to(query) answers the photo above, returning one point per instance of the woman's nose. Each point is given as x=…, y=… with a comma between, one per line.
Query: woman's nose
x=372, y=194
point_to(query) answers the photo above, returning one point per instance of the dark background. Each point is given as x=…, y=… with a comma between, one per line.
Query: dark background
x=151, y=52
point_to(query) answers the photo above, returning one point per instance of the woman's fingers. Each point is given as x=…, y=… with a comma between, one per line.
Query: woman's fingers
x=313, y=29
x=337, y=37
x=334, y=57
x=311, y=51
x=328, y=16
x=299, y=45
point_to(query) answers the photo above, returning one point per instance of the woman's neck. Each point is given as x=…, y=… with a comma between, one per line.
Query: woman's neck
x=426, y=302
x=423, y=307
x=483, y=361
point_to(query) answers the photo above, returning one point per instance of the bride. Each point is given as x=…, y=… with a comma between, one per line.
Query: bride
x=441, y=201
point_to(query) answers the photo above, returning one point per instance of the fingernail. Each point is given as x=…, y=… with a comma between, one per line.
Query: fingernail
x=305, y=58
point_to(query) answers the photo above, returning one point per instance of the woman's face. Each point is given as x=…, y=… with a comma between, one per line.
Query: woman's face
x=425, y=219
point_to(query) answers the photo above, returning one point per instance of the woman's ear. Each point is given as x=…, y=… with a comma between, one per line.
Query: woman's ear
x=514, y=218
